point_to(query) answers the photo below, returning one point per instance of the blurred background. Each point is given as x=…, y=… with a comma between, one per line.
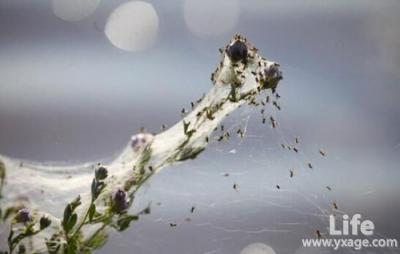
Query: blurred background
x=79, y=77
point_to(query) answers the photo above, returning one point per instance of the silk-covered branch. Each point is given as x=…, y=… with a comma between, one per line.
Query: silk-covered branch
x=70, y=209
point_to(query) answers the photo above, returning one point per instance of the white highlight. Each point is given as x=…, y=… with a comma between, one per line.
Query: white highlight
x=74, y=10
x=257, y=248
x=313, y=250
x=132, y=26
x=210, y=18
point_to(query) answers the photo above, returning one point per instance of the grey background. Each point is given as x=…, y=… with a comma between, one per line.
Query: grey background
x=66, y=94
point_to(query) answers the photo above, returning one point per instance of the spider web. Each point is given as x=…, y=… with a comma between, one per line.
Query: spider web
x=239, y=191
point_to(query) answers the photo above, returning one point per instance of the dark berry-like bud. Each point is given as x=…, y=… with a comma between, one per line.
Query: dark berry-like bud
x=44, y=222
x=120, y=203
x=138, y=140
x=237, y=51
x=273, y=75
x=21, y=249
x=23, y=216
x=273, y=72
x=147, y=210
x=100, y=173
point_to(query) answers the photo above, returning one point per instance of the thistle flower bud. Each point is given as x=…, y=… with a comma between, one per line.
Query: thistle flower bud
x=23, y=216
x=120, y=203
x=237, y=51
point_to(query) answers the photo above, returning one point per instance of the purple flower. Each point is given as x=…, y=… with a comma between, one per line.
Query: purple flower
x=120, y=203
x=23, y=216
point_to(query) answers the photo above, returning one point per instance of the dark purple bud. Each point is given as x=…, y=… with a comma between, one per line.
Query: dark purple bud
x=237, y=51
x=21, y=248
x=23, y=216
x=120, y=203
x=273, y=72
x=100, y=173
x=272, y=76
x=137, y=140
x=147, y=210
x=44, y=222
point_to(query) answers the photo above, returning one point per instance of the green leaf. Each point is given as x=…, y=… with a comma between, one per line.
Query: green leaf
x=71, y=222
x=67, y=216
x=185, y=127
x=96, y=241
x=8, y=212
x=68, y=212
x=209, y=114
x=92, y=211
x=71, y=247
x=76, y=202
x=97, y=188
x=186, y=130
x=10, y=237
x=2, y=170
x=189, y=153
x=232, y=94
x=124, y=221
x=17, y=239
x=94, y=187
x=29, y=229
x=2, y=176
x=144, y=159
